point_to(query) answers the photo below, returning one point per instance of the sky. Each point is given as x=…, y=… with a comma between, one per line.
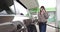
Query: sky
x=47, y=3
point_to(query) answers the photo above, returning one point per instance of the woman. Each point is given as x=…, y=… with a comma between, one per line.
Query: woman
x=42, y=19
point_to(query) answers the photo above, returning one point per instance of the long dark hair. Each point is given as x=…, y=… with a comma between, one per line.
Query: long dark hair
x=43, y=8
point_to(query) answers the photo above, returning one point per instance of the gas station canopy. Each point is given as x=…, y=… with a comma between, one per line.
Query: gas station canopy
x=30, y=3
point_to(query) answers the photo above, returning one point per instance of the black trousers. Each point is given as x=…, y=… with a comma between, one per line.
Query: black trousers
x=42, y=27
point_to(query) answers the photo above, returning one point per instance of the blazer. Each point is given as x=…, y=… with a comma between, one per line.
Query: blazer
x=43, y=18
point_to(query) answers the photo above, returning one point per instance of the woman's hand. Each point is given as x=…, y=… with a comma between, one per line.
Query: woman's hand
x=42, y=13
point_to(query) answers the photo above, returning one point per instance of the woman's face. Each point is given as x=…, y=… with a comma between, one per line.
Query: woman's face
x=42, y=9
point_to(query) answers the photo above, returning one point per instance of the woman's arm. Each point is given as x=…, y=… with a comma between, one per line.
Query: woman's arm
x=46, y=15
